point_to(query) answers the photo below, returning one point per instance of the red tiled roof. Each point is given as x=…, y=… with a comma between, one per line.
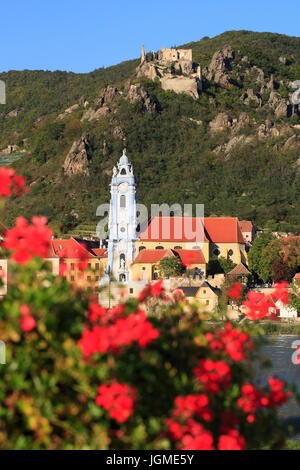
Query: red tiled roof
x=151, y=256
x=100, y=252
x=223, y=230
x=190, y=257
x=245, y=225
x=170, y=229
x=187, y=257
x=190, y=229
x=70, y=248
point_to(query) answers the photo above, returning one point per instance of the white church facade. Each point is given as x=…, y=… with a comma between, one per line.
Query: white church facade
x=134, y=257
x=122, y=221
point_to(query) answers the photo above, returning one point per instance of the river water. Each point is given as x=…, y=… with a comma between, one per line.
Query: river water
x=280, y=351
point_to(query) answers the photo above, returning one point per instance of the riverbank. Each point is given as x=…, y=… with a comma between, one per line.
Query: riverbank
x=273, y=328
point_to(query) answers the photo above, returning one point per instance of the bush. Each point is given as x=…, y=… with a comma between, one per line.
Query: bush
x=79, y=376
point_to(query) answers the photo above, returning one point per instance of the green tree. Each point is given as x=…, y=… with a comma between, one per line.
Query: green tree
x=255, y=258
x=271, y=254
x=217, y=265
x=170, y=266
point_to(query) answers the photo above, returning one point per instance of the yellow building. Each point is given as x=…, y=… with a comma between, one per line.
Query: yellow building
x=187, y=237
x=205, y=294
x=79, y=260
x=146, y=265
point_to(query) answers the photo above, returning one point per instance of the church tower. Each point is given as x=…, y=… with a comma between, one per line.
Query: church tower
x=122, y=220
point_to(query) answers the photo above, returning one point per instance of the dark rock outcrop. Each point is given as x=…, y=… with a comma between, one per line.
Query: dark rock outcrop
x=136, y=93
x=77, y=158
x=219, y=66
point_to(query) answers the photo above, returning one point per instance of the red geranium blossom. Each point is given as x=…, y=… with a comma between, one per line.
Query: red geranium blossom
x=215, y=375
x=27, y=323
x=118, y=399
x=120, y=332
x=236, y=291
x=11, y=183
x=231, y=341
x=258, y=305
x=231, y=441
x=27, y=241
x=281, y=292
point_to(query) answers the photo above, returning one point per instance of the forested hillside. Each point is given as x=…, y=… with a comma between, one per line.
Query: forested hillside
x=236, y=149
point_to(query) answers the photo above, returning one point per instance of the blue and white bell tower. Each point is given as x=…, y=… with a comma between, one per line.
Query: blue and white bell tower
x=122, y=220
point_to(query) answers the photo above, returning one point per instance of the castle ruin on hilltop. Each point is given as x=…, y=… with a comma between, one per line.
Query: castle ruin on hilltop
x=174, y=68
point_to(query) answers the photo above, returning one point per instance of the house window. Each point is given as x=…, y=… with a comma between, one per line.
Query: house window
x=216, y=252
x=122, y=201
x=97, y=266
x=196, y=248
x=131, y=290
x=72, y=278
x=204, y=291
x=178, y=248
x=230, y=252
x=159, y=247
x=144, y=269
x=207, y=302
x=123, y=171
x=141, y=248
x=72, y=266
x=97, y=278
x=89, y=266
x=89, y=278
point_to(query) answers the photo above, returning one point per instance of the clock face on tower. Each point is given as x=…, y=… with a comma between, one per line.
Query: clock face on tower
x=122, y=187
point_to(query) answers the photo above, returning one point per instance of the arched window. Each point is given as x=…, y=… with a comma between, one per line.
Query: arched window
x=230, y=252
x=159, y=247
x=141, y=248
x=216, y=252
x=122, y=260
x=123, y=171
x=178, y=248
x=122, y=201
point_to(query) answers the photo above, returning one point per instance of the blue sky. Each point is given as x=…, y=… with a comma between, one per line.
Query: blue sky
x=83, y=35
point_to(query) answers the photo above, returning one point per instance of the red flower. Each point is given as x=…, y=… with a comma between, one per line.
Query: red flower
x=231, y=341
x=117, y=331
x=27, y=241
x=231, y=441
x=203, y=441
x=27, y=323
x=157, y=288
x=192, y=435
x=215, y=375
x=154, y=290
x=281, y=292
x=258, y=305
x=97, y=312
x=24, y=310
x=11, y=183
x=118, y=399
x=236, y=291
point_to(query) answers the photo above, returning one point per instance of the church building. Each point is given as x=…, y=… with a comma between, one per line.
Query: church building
x=134, y=257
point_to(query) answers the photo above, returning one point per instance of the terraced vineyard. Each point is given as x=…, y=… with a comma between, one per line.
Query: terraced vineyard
x=6, y=160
